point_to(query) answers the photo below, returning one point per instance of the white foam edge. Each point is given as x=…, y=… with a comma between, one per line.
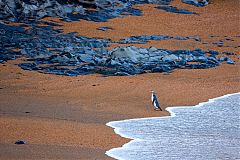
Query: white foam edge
x=172, y=114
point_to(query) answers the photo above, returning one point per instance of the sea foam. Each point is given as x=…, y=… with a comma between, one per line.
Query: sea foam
x=209, y=130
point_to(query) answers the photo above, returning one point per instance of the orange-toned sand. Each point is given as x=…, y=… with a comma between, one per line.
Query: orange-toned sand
x=218, y=18
x=64, y=117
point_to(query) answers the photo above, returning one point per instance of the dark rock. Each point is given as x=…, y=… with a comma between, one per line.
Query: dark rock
x=213, y=52
x=103, y=14
x=174, y=10
x=4, y=57
x=164, y=68
x=121, y=74
x=219, y=43
x=130, y=69
x=197, y=66
x=229, y=39
x=213, y=60
x=198, y=3
x=228, y=53
x=29, y=66
x=20, y=142
x=144, y=39
x=213, y=35
x=125, y=61
x=7, y=54
x=198, y=52
x=104, y=28
x=197, y=39
x=98, y=11
x=72, y=55
x=223, y=59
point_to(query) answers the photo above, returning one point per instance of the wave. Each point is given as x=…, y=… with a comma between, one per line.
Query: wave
x=208, y=130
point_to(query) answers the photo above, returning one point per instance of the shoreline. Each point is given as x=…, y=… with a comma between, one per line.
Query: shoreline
x=118, y=131
x=58, y=115
x=70, y=100
x=171, y=113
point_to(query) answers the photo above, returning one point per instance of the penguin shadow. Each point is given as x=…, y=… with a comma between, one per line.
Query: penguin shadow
x=149, y=108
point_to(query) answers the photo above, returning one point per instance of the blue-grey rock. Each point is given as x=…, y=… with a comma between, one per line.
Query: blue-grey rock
x=86, y=58
x=163, y=68
x=24, y=51
x=121, y=74
x=213, y=52
x=186, y=57
x=198, y=52
x=223, y=59
x=198, y=3
x=169, y=8
x=105, y=28
x=230, y=61
x=29, y=66
x=213, y=60
x=60, y=59
x=102, y=10
x=202, y=59
x=170, y=57
x=143, y=51
x=152, y=49
x=126, y=52
x=155, y=58
x=146, y=38
x=72, y=55
x=114, y=63
x=68, y=8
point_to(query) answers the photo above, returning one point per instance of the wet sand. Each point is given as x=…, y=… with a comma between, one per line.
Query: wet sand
x=64, y=117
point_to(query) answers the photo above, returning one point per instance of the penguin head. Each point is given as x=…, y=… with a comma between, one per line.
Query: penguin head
x=153, y=92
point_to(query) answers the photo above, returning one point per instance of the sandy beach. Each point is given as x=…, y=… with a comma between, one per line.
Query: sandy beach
x=63, y=117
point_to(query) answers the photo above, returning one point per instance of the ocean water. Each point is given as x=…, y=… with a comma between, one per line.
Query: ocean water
x=208, y=131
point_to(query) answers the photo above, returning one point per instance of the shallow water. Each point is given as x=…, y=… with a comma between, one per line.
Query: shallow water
x=210, y=130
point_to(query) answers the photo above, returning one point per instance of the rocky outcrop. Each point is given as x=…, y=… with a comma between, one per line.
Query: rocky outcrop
x=20, y=10
x=145, y=38
x=126, y=61
x=44, y=41
x=172, y=9
x=198, y=3
x=101, y=10
x=48, y=50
